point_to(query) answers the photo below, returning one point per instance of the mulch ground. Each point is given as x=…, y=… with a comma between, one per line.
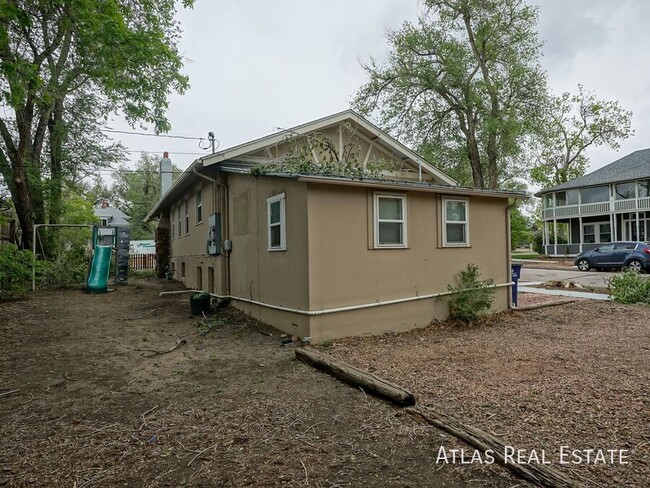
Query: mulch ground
x=98, y=405
x=574, y=375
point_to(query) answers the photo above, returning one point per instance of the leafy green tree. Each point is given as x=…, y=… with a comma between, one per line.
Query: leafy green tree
x=571, y=124
x=136, y=190
x=520, y=227
x=119, y=54
x=464, y=84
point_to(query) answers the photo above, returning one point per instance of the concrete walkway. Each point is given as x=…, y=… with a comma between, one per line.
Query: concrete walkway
x=563, y=293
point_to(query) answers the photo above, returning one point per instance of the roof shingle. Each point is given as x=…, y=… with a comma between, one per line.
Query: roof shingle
x=634, y=166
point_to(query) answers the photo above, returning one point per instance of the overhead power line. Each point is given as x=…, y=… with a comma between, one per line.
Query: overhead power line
x=148, y=134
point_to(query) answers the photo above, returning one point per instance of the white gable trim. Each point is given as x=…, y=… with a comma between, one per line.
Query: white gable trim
x=404, y=152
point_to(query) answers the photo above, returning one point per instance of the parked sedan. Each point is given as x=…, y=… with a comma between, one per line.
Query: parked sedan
x=632, y=255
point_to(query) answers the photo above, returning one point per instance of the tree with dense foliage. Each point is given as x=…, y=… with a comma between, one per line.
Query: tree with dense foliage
x=136, y=190
x=60, y=57
x=464, y=85
x=571, y=124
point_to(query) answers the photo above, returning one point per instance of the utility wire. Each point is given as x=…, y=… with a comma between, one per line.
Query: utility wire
x=170, y=136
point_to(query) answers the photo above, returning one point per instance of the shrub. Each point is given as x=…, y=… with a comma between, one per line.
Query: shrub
x=15, y=272
x=629, y=287
x=472, y=297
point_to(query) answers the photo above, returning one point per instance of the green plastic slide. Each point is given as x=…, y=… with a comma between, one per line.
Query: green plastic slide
x=99, y=270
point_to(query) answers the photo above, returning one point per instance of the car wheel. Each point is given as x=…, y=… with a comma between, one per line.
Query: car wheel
x=583, y=264
x=635, y=265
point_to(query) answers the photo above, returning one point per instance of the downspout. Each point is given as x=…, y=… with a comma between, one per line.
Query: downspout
x=508, y=249
x=226, y=221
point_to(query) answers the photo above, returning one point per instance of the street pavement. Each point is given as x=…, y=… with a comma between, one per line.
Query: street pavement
x=589, y=278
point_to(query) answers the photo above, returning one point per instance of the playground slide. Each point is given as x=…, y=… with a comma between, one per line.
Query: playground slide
x=99, y=270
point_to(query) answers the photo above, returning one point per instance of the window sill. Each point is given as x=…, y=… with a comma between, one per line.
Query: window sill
x=452, y=246
x=390, y=247
x=277, y=249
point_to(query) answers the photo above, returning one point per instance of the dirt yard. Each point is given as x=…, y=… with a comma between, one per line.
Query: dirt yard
x=575, y=375
x=97, y=406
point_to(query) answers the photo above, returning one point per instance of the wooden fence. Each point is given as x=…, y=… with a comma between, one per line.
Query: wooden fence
x=139, y=262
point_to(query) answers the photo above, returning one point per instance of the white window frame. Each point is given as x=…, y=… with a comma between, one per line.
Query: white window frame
x=180, y=222
x=283, y=222
x=445, y=222
x=377, y=220
x=173, y=217
x=198, y=202
x=597, y=232
x=187, y=216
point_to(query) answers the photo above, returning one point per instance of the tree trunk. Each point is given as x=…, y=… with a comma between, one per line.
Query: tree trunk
x=56, y=135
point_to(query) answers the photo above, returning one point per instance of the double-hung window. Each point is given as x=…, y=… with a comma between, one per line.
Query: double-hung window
x=455, y=228
x=390, y=220
x=180, y=228
x=199, y=207
x=187, y=216
x=277, y=231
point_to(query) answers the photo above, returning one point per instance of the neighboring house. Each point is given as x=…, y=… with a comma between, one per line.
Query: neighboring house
x=110, y=218
x=331, y=256
x=609, y=204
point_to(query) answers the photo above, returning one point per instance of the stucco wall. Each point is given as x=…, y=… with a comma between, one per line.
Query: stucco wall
x=274, y=277
x=188, y=248
x=346, y=270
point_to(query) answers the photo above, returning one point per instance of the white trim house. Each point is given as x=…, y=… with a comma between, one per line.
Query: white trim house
x=609, y=204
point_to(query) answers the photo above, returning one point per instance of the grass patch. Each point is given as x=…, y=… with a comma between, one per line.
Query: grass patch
x=525, y=256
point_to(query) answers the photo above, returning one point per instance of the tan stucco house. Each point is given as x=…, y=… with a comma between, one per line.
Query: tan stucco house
x=267, y=225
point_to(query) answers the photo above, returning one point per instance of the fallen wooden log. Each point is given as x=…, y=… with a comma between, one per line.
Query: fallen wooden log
x=543, y=305
x=356, y=377
x=541, y=474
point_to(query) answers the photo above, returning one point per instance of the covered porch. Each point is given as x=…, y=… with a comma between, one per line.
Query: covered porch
x=570, y=236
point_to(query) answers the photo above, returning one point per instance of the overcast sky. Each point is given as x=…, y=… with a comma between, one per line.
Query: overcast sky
x=256, y=66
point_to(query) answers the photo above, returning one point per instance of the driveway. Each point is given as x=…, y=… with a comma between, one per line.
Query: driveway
x=589, y=278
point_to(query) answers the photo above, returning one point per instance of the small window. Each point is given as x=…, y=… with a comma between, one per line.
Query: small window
x=180, y=228
x=199, y=208
x=187, y=216
x=390, y=221
x=104, y=222
x=183, y=269
x=277, y=226
x=455, y=227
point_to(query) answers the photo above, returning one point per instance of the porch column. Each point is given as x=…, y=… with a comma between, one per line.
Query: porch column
x=614, y=228
x=582, y=234
x=638, y=229
x=545, y=237
x=555, y=235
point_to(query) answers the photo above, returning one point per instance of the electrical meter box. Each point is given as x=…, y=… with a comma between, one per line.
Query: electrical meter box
x=214, y=234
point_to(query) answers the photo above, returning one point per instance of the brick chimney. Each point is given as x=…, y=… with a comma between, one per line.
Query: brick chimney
x=104, y=203
x=165, y=174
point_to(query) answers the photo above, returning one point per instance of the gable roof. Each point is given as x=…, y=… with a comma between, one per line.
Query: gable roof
x=634, y=166
x=377, y=136
x=115, y=214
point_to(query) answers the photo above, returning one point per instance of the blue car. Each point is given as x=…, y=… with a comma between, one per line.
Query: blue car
x=632, y=255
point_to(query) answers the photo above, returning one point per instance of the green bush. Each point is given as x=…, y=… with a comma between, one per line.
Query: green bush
x=472, y=297
x=629, y=287
x=15, y=272
x=69, y=268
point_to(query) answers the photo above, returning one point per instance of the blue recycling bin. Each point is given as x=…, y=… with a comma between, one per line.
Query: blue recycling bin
x=516, y=274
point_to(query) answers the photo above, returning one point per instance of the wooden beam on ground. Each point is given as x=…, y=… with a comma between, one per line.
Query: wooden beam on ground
x=369, y=382
x=542, y=305
x=541, y=474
